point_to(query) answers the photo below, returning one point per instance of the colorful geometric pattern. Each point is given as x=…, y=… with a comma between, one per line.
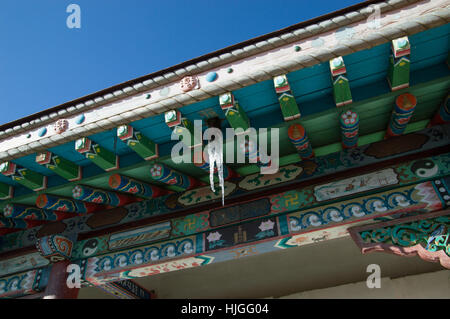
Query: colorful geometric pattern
x=415, y=171
x=23, y=284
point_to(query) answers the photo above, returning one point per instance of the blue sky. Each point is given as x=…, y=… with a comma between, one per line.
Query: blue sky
x=43, y=63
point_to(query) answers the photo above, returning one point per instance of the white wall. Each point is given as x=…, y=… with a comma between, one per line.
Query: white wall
x=428, y=285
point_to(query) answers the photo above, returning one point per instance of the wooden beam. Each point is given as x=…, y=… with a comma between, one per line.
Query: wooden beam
x=97, y=154
x=349, y=126
x=341, y=86
x=24, y=176
x=181, y=125
x=14, y=223
x=6, y=191
x=234, y=112
x=399, y=64
x=289, y=107
x=299, y=139
x=442, y=116
x=61, y=166
x=62, y=204
x=228, y=173
x=99, y=196
x=138, y=142
x=128, y=185
x=405, y=105
x=164, y=174
x=32, y=213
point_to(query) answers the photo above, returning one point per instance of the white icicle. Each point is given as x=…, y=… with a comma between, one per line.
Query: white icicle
x=215, y=154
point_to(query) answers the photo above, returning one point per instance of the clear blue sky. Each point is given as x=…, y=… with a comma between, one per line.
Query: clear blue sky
x=43, y=63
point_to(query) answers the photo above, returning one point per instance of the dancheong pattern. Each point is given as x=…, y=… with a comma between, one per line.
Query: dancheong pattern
x=336, y=162
x=263, y=232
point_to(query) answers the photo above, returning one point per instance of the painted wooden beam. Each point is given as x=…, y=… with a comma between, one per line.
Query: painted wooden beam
x=32, y=213
x=399, y=64
x=252, y=154
x=55, y=248
x=182, y=126
x=405, y=105
x=228, y=173
x=289, y=107
x=99, y=196
x=299, y=138
x=164, y=174
x=61, y=166
x=431, y=243
x=442, y=116
x=138, y=142
x=128, y=185
x=24, y=176
x=6, y=191
x=62, y=204
x=234, y=112
x=97, y=154
x=14, y=223
x=349, y=127
x=341, y=86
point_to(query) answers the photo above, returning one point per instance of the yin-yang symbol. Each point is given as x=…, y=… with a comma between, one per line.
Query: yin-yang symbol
x=424, y=168
x=90, y=247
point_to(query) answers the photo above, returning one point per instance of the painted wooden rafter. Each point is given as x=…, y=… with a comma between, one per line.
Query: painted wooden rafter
x=426, y=235
x=24, y=176
x=6, y=191
x=442, y=115
x=405, y=105
x=299, y=138
x=13, y=223
x=234, y=112
x=341, y=85
x=289, y=107
x=100, y=196
x=349, y=127
x=32, y=213
x=182, y=126
x=164, y=174
x=138, y=142
x=399, y=64
x=62, y=204
x=61, y=166
x=97, y=154
x=129, y=185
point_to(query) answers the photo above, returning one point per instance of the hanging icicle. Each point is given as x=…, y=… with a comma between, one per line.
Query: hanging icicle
x=215, y=155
